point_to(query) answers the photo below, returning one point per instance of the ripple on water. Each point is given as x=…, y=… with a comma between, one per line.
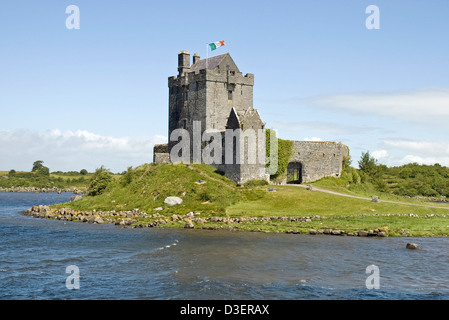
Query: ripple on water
x=181, y=264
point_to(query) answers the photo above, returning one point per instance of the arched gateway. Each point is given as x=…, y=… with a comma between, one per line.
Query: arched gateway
x=294, y=172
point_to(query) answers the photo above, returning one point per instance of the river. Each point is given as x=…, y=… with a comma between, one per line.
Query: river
x=177, y=264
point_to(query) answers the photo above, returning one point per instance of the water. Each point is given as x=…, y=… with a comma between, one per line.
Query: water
x=162, y=264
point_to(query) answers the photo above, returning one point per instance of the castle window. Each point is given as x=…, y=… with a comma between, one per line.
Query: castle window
x=232, y=73
x=229, y=94
x=184, y=124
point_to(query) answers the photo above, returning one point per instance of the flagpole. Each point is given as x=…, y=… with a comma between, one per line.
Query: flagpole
x=207, y=53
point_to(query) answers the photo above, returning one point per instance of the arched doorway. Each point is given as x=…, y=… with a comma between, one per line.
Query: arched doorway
x=294, y=172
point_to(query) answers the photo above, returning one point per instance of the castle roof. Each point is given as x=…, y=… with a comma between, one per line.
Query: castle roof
x=212, y=63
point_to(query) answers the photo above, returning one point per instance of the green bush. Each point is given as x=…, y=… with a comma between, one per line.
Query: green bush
x=99, y=182
x=285, y=151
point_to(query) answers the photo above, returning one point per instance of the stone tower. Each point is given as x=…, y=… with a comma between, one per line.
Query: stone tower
x=212, y=94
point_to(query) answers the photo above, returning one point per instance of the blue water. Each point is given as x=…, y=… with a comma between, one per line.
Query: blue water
x=162, y=264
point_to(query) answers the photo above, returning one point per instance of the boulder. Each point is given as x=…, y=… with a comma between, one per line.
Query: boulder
x=412, y=246
x=189, y=225
x=98, y=220
x=172, y=201
x=75, y=198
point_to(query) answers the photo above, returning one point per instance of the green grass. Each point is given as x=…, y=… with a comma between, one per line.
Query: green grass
x=343, y=213
x=365, y=190
x=147, y=186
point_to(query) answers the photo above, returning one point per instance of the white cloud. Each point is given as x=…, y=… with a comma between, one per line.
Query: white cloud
x=401, y=151
x=424, y=106
x=428, y=147
x=74, y=150
x=424, y=160
x=380, y=154
x=313, y=139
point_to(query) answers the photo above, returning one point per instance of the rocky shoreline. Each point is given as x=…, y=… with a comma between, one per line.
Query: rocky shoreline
x=133, y=219
x=43, y=190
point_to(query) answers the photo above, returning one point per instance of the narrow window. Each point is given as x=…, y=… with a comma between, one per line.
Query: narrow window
x=229, y=94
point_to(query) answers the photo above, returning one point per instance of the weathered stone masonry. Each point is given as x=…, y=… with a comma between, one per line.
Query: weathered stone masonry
x=318, y=159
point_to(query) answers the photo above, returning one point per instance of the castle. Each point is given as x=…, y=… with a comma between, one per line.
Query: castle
x=212, y=96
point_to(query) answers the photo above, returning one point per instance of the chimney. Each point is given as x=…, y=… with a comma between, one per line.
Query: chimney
x=196, y=57
x=183, y=62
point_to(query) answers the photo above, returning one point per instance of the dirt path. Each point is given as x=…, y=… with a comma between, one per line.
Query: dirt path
x=366, y=198
x=204, y=174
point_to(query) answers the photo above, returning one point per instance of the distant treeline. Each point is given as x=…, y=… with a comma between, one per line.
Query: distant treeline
x=40, y=177
x=407, y=180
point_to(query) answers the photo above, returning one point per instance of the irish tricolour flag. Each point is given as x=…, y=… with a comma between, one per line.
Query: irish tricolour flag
x=215, y=45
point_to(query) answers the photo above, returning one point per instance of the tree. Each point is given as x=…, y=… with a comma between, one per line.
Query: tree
x=44, y=171
x=40, y=169
x=368, y=164
x=83, y=172
x=37, y=165
x=99, y=182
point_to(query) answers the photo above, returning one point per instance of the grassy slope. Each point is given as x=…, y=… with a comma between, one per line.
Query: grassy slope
x=148, y=186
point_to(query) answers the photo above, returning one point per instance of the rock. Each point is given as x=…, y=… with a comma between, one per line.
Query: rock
x=374, y=199
x=363, y=233
x=75, y=198
x=172, y=201
x=336, y=232
x=309, y=187
x=312, y=231
x=158, y=209
x=189, y=225
x=98, y=220
x=271, y=190
x=412, y=246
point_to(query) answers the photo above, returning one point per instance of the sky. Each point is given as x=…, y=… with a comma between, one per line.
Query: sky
x=98, y=95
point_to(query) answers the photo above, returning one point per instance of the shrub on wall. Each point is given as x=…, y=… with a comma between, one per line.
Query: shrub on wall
x=285, y=151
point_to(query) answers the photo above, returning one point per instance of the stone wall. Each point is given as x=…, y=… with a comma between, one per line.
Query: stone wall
x=160, y=153
x=319, y=159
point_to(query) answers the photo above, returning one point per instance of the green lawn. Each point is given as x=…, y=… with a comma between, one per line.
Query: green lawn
x=342, y=213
